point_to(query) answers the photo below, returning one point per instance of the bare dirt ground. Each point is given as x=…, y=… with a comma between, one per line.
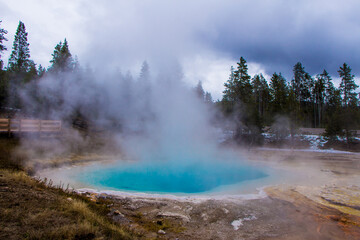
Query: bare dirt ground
x=322, y=202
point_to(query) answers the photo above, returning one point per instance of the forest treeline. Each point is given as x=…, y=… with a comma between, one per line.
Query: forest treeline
x=305, y=101
x=252, y=103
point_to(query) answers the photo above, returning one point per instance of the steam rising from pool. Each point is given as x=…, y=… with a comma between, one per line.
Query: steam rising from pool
x=165, y=130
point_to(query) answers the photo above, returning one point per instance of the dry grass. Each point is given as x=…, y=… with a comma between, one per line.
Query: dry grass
x=33, y=210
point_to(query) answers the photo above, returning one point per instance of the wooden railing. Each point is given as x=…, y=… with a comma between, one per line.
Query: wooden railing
x=29, y=125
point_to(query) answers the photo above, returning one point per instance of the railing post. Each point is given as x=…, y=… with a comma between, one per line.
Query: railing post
x=9, y=127
x=20, y=126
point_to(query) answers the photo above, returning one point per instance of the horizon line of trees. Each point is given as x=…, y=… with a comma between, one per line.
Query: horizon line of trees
x=305, y=100
x=251, y=102
x=68, y=92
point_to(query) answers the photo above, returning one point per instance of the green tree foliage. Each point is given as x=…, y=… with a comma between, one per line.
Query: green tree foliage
x=238, y=87
x=305, y=101
x=239, y=101
x=279, y=94
x=202, y=95
x=3, y=76
x=62, y=60
x=302, y=83
x=350, y=111
x=243, y=88
x=347, y=86
x=2, y=46
x=261, y=95
x=20, y=68
x=229, y=92
x=319, y=92
x=19, y=61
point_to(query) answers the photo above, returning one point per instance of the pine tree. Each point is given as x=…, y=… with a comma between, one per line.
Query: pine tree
x=19, y=60
x=329, y=87
x=349, y=102
x=242, y=86
x=260, y=93
x=2, y=46
x=62, y=60
x=238, y=87
x=228, y=100
x=3, y=76
x=200, y=93
x=229, y=92
x=319, y=92
x=325, y=98
x=347, y=86
x=208, y=97
x=145, y=72
x=279, y=94
x=302, y=83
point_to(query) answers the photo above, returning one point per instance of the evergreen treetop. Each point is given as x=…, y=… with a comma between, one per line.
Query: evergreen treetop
x=242, y=86
x=19, y=60
x=2, y=46
x=347, y=85
x=279, y=93
x=62, y=60
x=302, y=83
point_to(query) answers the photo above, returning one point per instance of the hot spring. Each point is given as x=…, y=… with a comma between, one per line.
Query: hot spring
x=185, y=177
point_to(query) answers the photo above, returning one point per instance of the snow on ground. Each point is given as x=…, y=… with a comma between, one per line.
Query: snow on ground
x=239, y=222
x=307, y=150
x=317, y=142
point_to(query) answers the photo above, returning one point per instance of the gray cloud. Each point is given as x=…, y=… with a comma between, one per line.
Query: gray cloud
x=121, y=34
x=320, y=34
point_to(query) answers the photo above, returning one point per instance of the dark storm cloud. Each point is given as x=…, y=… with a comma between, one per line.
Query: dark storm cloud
x=121, y=34
x=277, y=34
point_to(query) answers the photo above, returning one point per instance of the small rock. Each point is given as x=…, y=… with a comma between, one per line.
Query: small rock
x=161, y=232
x=69, y=199
x=174, y=215
x=117, y=212
x=225, y=211
x=204, y=216
x=117, y=216
x=103, y=196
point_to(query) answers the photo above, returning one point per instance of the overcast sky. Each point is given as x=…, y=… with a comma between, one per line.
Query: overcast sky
x=203, y=37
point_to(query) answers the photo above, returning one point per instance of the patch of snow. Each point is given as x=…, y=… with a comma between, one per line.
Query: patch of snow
x=308, y=150
x=239, y=222
x=315, y=141
x=224, y=135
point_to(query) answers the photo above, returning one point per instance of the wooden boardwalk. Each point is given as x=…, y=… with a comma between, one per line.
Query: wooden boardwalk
x=11, y=126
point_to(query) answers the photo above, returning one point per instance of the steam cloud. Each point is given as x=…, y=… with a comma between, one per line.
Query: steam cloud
x=151, y=116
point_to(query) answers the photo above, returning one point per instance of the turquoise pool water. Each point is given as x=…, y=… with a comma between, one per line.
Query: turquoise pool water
x=169, y=176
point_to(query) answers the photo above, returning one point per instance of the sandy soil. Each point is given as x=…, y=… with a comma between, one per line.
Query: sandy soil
x=318, y=199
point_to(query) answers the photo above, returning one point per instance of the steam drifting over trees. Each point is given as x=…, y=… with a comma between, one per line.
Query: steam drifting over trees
x=65, y=90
